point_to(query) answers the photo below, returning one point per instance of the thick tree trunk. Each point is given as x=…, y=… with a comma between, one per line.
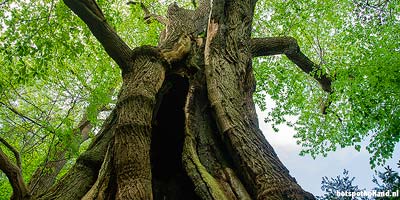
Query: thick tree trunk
x=230, y=86
x=184, y=127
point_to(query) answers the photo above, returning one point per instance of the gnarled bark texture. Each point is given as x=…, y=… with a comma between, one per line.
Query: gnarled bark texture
x=185, y=128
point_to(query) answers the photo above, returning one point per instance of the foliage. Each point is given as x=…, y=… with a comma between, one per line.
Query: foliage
x=356, y=44
x=53, y=72
x=339, y=184
x=389, y=180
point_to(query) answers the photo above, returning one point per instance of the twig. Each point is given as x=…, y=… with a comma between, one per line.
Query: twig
x=147, y=15
x=21, y=115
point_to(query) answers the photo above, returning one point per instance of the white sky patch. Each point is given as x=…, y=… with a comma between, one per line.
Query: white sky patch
x=267, y=15
x=13, y=5
x=283, y=138
x=7, y=15
x=332, y=32
x=285, y=135
x=4, y=27
x=397, y=16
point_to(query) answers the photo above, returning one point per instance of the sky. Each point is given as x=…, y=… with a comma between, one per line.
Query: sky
x=309, y=172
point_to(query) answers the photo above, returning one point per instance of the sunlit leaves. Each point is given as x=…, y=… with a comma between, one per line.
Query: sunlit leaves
x=52, y=70
x=357, y=45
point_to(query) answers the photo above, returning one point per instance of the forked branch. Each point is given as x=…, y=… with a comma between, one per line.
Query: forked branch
x=289, y=47
x=91, y=14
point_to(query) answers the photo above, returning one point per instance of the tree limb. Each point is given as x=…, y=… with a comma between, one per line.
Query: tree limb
x=289, y=47
x=13, y=150
x=14, y=175
x=91, y=14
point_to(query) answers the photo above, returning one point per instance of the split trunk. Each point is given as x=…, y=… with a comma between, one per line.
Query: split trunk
x=183, y=128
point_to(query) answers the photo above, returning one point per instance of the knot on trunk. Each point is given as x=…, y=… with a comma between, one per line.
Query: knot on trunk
x=179, y=50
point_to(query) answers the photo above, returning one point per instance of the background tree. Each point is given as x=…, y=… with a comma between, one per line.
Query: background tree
x=387, y=181
x=46, y=52
x=339, y=184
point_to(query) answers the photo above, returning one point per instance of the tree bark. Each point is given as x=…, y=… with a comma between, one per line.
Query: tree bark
x=230, y=86
x=184, y=128
x=289, y=47
x=80, y=178
x=14, y=175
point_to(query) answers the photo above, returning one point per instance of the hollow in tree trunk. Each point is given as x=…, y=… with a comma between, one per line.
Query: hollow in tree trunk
x=185, y=125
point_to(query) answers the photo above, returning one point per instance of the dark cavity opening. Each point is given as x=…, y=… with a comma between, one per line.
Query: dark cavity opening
x=170, y=180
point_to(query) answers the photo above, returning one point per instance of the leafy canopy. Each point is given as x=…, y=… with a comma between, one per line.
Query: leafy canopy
x=53, y=72
x=357, y=45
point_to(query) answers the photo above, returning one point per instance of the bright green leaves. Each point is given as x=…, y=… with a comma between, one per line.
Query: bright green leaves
x=360, y=50
x=53, y=71
x=138, y=30
x=98, y=100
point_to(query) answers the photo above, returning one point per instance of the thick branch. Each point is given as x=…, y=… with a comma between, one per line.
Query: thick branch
x=13, y=150
x=14, y=175
x=91, y=14
x=289, y=47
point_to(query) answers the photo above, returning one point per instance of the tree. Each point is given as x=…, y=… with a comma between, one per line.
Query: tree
x=333, y=186
x=224, y=155
x=200, y=72
x=389, y=182
x=345, y=39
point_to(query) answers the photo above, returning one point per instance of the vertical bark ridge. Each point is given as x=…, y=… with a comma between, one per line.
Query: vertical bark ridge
x=228, y=69
x=132, y=162
x=100, y=189
x=141, y=84
x=206, y=185
x=206, y=163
